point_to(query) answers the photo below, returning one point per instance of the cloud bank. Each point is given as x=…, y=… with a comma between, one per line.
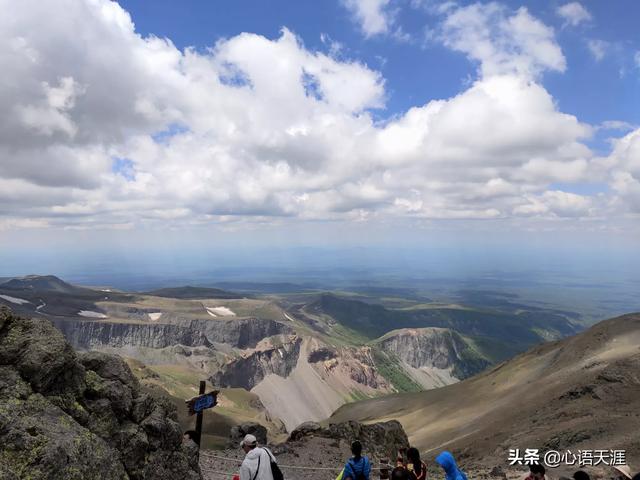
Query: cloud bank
x=105, y=127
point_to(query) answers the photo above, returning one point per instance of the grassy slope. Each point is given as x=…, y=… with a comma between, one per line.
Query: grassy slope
x=179, y=383
x=581, y=389
x=390, y=368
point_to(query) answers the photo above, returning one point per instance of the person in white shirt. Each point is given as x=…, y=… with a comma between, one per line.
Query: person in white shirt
x=257, y=461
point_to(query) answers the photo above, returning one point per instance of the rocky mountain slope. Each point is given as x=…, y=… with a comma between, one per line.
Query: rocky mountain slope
x=579, y=393
x=434, y=356
x=302, y=355
x=47, y=283
x=237, y=333
x=322, y=379
x=64, y=415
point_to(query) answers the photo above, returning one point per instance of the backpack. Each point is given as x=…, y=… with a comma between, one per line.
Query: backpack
x=276, y=473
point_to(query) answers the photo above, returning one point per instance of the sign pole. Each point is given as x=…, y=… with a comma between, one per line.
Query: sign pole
x=199, y=416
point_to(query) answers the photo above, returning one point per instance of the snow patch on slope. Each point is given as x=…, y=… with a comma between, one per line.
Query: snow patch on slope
x=220, y=311
x=91, y=314
x=17, y=301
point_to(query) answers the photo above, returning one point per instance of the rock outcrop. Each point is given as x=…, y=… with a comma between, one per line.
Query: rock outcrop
x=64, y=415
x=438, y=348
x=239, y=431
x=249, y=369
x=238, y=333
x=382, y=439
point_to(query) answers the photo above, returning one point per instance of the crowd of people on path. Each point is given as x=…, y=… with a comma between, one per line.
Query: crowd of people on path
x=260, y=464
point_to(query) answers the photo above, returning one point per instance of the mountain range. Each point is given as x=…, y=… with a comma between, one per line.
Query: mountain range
x=285, y=358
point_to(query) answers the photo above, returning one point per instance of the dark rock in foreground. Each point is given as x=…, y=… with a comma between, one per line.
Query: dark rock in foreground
x=70, y=416
x=239, y=431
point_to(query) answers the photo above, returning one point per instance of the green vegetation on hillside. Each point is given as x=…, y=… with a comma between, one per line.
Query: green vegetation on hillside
x=373, y=321
x=192, y=293
x=471, y=362
x=389, y=367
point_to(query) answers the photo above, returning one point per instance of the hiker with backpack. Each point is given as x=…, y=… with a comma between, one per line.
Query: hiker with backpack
x=259, y=463
x=357, y=467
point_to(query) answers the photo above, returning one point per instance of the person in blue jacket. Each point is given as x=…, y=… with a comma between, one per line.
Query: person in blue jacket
x=448, y=464
x=357, y=467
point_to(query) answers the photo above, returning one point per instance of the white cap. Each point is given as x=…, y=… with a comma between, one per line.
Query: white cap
x=624, y=469
x=249, y=440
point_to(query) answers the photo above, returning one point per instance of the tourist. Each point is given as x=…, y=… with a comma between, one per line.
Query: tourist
x=448, y=464
x=400, y=473
x=536, y=472
x=415, y=467
x=622, y=472
x=190, y=435
x=581, y=475
x=358, y=466
x=257, y=461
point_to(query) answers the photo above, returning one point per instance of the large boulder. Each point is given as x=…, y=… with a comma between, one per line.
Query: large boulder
x=64, y=415
x=382, y=439
x=306, y=429
x=239, y=431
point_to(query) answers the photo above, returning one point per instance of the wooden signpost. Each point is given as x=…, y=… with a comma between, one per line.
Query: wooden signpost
x=197, y=405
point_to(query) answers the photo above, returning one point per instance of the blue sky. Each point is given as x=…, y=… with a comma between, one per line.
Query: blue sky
x=341, y=122
x=416, y=69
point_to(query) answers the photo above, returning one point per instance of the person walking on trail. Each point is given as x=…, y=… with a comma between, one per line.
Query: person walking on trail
x=257, y=461
x=357, y=467
x=536, y=472
x=448, y=464
x=622, y=472
x=415, y=467
x=400, y=473
x=581, y=475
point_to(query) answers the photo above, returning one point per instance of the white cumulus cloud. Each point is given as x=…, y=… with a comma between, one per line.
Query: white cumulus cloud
x=502, y=41
x=573, y=13
x=108, y=127
x=373, y=16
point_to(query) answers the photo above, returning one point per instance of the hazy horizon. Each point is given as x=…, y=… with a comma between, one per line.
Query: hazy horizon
x=338, y=144
x=357, y=123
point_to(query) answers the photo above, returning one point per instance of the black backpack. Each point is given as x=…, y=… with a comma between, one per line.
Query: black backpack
x=276, y=473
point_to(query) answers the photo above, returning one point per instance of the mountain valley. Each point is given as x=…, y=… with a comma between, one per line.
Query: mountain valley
x=283, y=358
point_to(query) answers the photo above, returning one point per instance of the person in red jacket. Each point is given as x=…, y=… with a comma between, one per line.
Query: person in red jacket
x=415, y=467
